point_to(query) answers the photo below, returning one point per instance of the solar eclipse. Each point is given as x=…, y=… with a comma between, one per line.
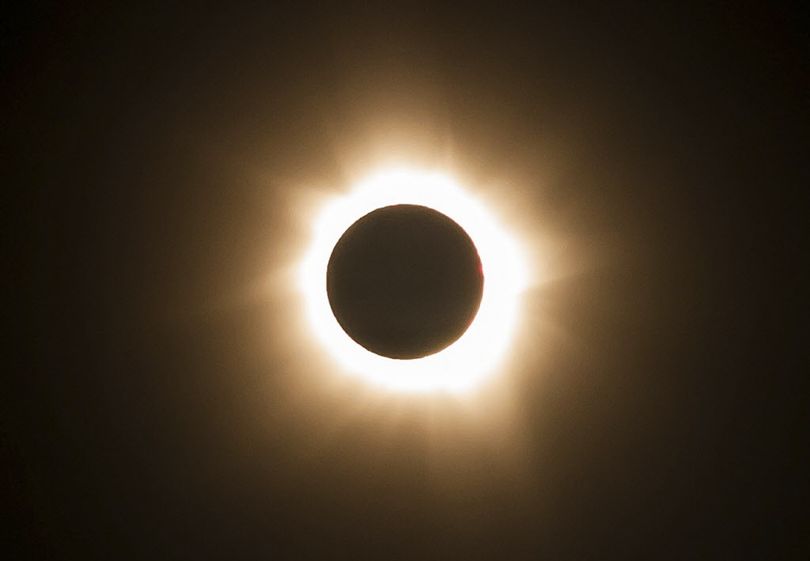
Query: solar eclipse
x=414, y=280
x=404, y=281
x=411, y=283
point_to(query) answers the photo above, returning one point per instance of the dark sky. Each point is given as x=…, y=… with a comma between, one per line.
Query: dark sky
x=151, y=165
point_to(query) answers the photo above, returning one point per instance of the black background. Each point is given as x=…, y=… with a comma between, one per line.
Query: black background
x=145, y=418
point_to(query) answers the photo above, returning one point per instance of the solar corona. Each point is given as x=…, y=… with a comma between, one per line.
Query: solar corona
x=473, y=336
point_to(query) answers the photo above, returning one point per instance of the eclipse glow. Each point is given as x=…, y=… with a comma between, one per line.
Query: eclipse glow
x=478, y=352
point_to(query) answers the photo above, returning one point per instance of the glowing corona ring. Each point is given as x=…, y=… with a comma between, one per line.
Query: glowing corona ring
x=480, y=349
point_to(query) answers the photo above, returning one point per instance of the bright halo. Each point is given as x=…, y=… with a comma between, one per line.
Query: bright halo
x=477, y=353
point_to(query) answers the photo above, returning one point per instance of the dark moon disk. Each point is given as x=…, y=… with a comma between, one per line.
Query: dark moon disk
x=404, y=281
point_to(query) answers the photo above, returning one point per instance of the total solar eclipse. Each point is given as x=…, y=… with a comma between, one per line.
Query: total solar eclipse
x=404, y=281
x=411, y=283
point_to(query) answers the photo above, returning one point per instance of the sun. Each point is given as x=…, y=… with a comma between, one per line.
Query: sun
x=479, y=351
